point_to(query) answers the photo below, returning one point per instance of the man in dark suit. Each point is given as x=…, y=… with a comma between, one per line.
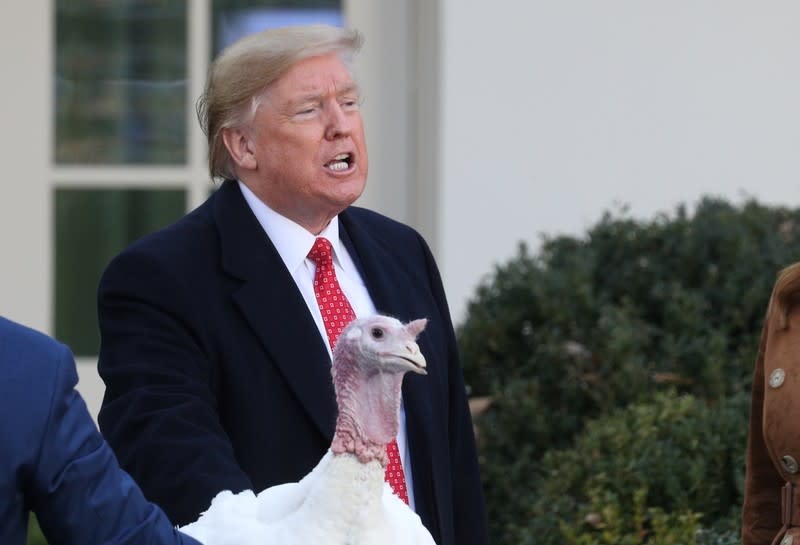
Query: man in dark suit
x=214, y=348
x=53, y=460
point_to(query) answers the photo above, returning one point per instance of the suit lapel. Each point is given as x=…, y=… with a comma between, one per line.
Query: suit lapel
x=271, y=303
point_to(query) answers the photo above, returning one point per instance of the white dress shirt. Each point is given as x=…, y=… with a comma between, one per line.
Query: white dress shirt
x=293, y=243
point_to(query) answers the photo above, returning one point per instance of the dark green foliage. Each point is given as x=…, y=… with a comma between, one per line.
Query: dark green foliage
x=35, y=536
x=593, y=324
x=673, y=455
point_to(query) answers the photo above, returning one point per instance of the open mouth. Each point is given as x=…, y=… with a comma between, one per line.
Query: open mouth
x=340, y=163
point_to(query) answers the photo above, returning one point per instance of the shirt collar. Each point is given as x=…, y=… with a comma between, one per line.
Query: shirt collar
x=291, y=240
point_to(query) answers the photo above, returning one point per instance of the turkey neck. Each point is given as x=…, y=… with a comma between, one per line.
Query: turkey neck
x=369, y=412
x=346, y=498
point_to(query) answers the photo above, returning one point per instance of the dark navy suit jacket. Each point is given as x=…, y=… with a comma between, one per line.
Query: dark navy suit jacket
x=53, y=460
x=217, y=377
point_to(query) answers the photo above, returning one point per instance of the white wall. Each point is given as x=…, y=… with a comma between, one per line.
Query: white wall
x=25, y=212
x=553, y=111
x=382, y=70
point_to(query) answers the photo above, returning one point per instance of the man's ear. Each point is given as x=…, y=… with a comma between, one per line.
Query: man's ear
x=241, y=147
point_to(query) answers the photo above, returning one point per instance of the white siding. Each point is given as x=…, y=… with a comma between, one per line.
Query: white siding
x=553, y=111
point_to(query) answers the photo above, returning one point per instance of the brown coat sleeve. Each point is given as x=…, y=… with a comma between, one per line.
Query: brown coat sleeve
x=761, y=512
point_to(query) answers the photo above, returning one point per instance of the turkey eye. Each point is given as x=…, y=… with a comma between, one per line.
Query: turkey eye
x=377, y=332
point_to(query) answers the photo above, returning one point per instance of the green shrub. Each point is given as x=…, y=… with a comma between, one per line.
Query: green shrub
x=650, y=472
x=35, y=536
x=594, y=323
x=679, y=294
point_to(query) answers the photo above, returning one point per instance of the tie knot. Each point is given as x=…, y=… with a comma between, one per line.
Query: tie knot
x=321, y=253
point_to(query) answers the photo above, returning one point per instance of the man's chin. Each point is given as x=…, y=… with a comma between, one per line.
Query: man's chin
x=349, y=190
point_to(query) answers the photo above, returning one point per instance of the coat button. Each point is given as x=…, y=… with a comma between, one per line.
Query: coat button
x=789, y=464
x=787, y=540
x=776, y=377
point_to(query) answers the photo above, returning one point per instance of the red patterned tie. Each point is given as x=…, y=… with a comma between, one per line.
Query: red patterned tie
x=336, y=314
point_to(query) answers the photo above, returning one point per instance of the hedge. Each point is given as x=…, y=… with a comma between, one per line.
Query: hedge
x=592, y=324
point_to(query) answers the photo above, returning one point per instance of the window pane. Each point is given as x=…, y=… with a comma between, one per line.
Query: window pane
x=236, y=18
x=92, y=226
x=120, y=82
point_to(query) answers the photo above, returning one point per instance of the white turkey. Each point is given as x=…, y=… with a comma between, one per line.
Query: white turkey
x=344, y=499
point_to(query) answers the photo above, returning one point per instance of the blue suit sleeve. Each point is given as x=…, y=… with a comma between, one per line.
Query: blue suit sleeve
x=79, y=492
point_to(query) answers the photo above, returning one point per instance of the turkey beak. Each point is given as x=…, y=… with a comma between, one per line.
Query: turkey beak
x=413, y=356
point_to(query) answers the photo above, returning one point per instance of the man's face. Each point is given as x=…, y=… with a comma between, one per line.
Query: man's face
x=308, y=143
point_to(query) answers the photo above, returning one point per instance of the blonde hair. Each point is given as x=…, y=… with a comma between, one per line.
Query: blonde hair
x=240, y=75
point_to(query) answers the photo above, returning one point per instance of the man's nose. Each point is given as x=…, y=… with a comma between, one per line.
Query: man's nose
x=338, y=124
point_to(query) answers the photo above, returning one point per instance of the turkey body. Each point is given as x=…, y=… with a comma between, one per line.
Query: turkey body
x=342, y=501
